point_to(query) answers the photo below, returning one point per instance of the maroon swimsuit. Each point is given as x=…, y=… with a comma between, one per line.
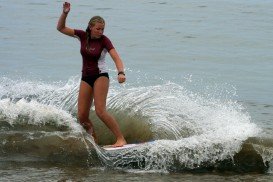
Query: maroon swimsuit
x=93, y=58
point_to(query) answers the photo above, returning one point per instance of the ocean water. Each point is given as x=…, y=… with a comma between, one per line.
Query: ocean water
x=199, y=85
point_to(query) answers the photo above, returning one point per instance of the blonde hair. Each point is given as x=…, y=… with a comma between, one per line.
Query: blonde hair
x=96, y=19
x=91, y=23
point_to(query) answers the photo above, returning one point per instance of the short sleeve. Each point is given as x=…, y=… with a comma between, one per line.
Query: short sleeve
x=107, y=43
x=80, y=34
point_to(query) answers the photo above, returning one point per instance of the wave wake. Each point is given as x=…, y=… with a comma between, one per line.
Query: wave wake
x=190, y=131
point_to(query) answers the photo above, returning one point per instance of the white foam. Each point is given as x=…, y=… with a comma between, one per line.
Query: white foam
x=35, y=113
x=189, y=128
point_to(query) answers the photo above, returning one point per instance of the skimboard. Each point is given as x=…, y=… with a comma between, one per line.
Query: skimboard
x=127, y=146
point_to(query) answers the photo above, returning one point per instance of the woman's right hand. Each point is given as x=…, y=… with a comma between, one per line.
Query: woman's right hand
x=66, y=7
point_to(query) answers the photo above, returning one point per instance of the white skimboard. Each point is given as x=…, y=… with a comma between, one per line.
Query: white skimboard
x=127, y=146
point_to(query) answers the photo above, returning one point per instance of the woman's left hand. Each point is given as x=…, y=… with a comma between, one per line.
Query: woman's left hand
x=121, y=78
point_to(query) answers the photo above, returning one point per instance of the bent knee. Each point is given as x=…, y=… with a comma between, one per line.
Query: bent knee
x=100, y=112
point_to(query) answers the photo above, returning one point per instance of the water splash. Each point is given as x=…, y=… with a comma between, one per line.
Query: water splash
x=190, y=129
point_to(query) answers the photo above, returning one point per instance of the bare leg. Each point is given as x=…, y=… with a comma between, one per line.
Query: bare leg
x=84, y=103
x=101, y=87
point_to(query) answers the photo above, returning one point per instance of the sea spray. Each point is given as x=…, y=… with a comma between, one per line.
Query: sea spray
x=190, y=130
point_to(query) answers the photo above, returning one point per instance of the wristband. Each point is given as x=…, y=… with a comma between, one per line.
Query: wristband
x=121, y=72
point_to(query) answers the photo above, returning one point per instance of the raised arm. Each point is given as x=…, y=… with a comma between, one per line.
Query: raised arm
x=61, y=23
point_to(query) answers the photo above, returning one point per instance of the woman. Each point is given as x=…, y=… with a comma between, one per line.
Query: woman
x=95, y=80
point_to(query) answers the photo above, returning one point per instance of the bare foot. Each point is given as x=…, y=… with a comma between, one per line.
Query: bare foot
x=120, y=143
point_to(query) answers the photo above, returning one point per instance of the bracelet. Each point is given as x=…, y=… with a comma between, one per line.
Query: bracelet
x=65, y=12
x=121, y=72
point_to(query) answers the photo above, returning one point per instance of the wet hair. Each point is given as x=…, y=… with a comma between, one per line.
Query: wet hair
x=92, y=22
